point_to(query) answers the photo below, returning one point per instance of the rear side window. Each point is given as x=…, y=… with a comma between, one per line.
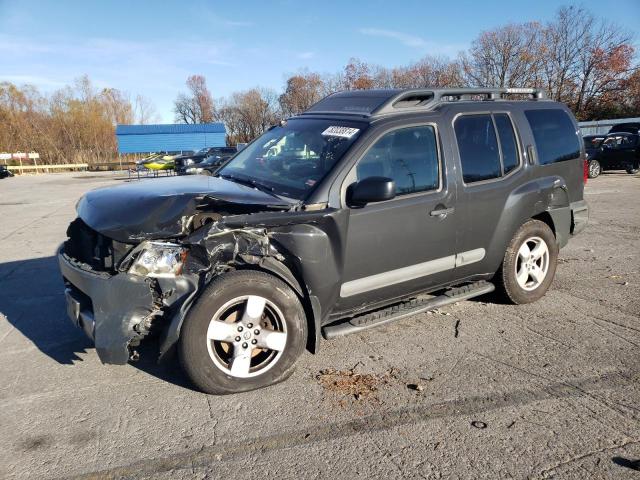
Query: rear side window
x=409, y=156
x=555, y=135
x=478, y=147
x=510, y=159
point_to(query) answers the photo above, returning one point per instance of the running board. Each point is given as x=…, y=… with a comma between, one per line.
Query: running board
x=406, y=309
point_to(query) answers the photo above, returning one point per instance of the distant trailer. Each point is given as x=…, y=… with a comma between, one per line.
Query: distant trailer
x=169, y=137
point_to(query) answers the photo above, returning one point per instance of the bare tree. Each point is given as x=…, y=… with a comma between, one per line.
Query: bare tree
x=428, y=72
x=196, y=106
x=301, y=91
x=357, y=75
x=118, y=106
x=504, y=57
x=248, y=114
x=145, y=111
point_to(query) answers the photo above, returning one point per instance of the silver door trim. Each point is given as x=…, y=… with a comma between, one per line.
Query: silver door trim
x=404, y=274
x=470, y=256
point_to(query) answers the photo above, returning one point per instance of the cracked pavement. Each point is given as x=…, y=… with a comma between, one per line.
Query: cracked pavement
x=546, y=390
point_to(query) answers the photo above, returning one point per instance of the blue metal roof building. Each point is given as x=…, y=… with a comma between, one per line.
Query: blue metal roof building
x=169, y=138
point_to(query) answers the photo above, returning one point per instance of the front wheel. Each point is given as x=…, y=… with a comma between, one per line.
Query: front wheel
x=245, y=332
x=594, y=168
x=529, y=263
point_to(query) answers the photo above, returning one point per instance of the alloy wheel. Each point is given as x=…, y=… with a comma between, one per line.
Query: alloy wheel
x=532, y=263
x=246, y=336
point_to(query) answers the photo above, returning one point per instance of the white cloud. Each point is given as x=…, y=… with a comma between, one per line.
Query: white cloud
x=238, y=23
x=306, y=55
x=413, y=41
x=405, y=39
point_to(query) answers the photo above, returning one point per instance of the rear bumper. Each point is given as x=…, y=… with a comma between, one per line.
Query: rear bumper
x=116, y=311
x=579, y=216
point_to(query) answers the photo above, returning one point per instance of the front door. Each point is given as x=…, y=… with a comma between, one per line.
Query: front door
x=408, y=243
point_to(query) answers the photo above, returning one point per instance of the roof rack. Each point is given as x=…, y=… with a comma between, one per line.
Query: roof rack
x=374, y=103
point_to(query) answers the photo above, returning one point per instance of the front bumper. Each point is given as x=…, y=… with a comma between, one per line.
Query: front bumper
x=579, y=216
x=116, y=311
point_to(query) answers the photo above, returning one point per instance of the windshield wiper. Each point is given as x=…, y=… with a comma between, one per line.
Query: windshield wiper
x=249, y=183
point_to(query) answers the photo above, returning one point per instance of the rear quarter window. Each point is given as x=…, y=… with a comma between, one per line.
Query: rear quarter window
x=555, y=135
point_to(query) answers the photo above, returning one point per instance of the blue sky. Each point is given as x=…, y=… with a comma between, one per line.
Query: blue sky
x=150, y=47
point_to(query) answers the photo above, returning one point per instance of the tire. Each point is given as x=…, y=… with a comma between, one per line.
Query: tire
x=594, y=168
x=223, y=312
x=509, y=283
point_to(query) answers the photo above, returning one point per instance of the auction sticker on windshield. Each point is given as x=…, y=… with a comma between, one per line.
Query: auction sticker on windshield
x=343, y=132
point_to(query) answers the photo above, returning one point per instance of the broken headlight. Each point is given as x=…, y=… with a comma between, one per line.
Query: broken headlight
x=159, y=259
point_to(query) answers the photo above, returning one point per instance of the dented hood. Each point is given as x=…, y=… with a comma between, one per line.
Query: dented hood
x=154, y=208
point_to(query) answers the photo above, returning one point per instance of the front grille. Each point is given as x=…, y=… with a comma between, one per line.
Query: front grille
x=87, y=246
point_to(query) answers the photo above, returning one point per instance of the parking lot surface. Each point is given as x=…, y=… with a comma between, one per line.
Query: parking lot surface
x=478, y=389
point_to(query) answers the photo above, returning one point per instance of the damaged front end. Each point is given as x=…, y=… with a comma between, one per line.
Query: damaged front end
x=118, y=307
x=120, y=292
x=138, y=257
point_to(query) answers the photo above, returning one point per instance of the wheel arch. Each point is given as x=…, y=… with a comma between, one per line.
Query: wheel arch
x=548, y=219
x=267, y=265
x=309, y=302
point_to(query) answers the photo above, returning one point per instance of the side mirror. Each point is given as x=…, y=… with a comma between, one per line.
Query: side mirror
x=371, y=189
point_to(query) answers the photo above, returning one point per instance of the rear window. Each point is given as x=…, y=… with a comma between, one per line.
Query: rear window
x=510, y=159
x=555, y=135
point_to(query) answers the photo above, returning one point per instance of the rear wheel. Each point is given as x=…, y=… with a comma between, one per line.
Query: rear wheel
x=246, y=332
x=529, y=263
x=594, y=168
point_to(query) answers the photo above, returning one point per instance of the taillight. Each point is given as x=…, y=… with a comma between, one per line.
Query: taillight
x=585, y=171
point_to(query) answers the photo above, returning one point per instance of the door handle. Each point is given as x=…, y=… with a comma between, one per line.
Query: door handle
x=441, y=212
x=531, y=154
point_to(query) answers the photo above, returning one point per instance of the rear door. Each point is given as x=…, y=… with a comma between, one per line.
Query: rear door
x=491, y=167
x=396, y=247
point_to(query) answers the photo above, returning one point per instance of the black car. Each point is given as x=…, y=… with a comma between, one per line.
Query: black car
x=592, y=143
x=210, y=165
x=630, y=127
x=188, y=164
x=340, y=219
x=619, y=150
x=5, y=172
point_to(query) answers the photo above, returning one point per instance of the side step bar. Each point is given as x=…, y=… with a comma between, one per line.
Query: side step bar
x=406, y=309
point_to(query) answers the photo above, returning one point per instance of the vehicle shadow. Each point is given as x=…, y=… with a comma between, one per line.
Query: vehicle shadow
x=33, y=302
x=625, y=462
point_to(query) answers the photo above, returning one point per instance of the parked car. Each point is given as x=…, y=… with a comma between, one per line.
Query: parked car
x=340, y=219
x=205, y=158
x=185, y=161
x=592, y=143
x=211, y=164
x=619, y=150
x=5, y=172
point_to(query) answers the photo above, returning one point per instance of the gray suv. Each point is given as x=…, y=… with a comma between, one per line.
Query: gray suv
x=369, y=207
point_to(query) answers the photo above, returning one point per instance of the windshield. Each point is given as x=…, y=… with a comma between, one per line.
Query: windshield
x=291, y=159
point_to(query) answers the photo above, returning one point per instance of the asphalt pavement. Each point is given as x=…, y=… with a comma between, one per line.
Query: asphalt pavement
x=475, y=390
